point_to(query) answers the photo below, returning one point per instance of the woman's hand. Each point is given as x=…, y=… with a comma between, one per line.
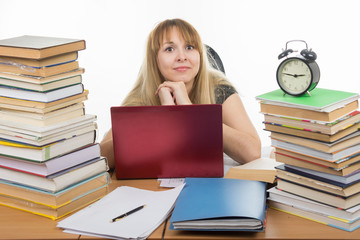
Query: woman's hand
x=177, y=91
x=165, y=95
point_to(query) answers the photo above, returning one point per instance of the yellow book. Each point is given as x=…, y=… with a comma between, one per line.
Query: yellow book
x=56, y=199
x=51, y=211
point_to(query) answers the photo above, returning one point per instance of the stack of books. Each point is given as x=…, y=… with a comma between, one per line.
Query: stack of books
x=317, y=139
x=50, y=163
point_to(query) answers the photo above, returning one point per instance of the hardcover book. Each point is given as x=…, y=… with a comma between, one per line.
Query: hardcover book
x=322, y=100
x=40, y=80
x=43, y=71
x=329, y=128
x=39, y=47
x=54, y=199
x=45, y=97
x=42, y=107
x=37, y=63
x=43, y=119
x=54, y=212
x=58, y=181
x=323, y=184
x=331, y=199
x=340, y=169
x=52, y=165
x=313, y=135
x=338, y=156
x=348, y=141
x=43, y=87
x=340, y=181
x=309, y=114
x=277, y=195
x=261, y=169
x=317, y=216
x=40, y=133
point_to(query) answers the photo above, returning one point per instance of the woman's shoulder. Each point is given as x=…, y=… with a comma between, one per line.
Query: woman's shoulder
x=223, y=91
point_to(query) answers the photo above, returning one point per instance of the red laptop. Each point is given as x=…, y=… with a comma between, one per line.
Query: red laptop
x=168, y=141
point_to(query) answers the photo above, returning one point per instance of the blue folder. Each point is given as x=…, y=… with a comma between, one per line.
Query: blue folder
x=214, y=200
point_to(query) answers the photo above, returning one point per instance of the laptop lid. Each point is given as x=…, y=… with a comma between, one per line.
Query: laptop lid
x=168, y=141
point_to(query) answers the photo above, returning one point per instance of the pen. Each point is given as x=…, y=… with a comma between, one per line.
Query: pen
x=127, y=214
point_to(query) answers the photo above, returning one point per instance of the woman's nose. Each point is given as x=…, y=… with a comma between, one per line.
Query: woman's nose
x=181, y=56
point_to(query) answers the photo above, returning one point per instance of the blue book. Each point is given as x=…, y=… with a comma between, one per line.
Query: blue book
x=220, y=204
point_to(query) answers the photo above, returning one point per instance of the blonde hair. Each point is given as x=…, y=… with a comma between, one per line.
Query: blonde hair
x=149, y=78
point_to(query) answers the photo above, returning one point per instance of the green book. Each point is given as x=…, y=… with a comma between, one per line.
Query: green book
x=324, y=100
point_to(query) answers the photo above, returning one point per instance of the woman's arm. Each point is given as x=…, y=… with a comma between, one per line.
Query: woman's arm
x=240, y=139
x=107, y=149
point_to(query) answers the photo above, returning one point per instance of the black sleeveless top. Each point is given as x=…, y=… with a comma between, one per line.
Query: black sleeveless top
x=222, y=92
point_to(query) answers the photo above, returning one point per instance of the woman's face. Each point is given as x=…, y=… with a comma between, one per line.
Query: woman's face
x=178, y=60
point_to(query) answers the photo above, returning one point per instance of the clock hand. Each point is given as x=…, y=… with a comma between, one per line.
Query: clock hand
x=294, y=75
x=289, y=74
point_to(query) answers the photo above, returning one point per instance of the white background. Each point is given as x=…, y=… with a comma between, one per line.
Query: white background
x=247, y=34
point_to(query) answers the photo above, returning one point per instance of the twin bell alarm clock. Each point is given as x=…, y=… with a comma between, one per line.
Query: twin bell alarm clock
x=299, y=74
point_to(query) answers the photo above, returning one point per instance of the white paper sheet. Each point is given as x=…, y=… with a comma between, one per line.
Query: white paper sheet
x=171, y=182
x=95, y=219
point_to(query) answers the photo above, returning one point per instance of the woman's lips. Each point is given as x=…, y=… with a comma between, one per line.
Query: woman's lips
x=182, y=68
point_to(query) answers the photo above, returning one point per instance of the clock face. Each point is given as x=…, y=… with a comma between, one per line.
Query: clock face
x=294, y=76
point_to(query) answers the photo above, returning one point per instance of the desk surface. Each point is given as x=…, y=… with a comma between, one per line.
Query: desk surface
x=16, y=224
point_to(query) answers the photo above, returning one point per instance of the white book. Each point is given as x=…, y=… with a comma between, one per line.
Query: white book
x=43, y=86
x=331, y=157
x=42, y=154
x=49, y=96
x=38, y=132
x=317, y=217
x=40, y=116
x=56, y=182
x=54, y=165
x=277, y=195
x=38, y=119
x=52, y=138
x=319, y=196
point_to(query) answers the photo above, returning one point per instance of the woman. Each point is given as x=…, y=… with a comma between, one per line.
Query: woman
x=176, y=71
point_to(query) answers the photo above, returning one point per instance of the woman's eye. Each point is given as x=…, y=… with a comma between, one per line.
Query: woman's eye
x=169, y=49
x=189, y=47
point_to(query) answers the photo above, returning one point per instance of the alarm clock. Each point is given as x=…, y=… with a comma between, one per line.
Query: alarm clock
x=297, y=75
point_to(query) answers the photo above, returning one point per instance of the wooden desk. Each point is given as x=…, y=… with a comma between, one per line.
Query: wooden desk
x=16, y=224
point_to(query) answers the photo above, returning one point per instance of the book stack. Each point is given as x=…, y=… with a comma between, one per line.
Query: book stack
x=50, y=163
x=317, y=140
